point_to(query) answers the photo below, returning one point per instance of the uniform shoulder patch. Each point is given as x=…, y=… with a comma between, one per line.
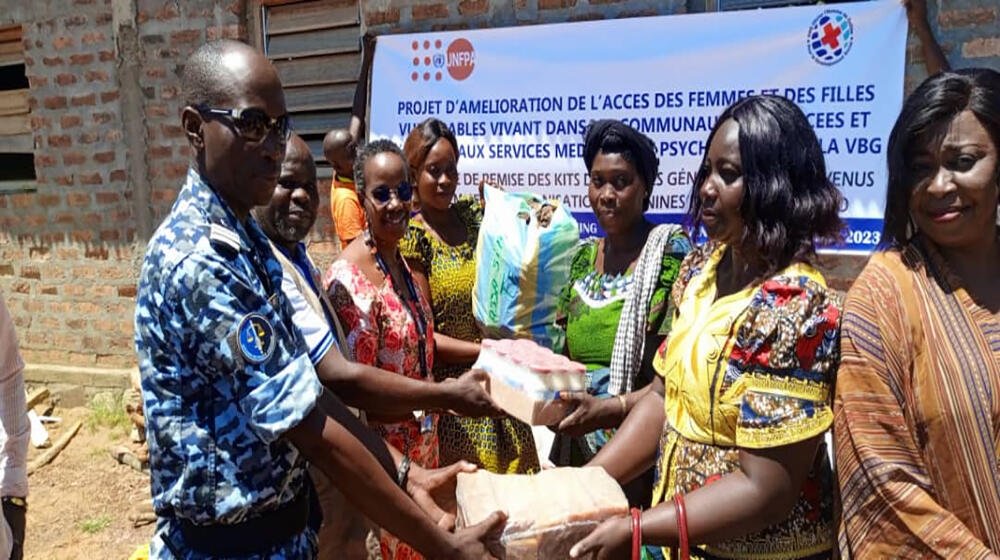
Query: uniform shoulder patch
x=255, y=337
x=223, y=237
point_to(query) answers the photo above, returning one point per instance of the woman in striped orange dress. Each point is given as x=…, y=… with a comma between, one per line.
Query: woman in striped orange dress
x=917, y=410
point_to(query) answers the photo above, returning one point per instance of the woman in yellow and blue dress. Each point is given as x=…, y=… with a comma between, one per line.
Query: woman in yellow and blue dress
x=744, y=377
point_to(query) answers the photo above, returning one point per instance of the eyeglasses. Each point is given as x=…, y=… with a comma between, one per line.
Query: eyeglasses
x=382, y=193
x=252, y=123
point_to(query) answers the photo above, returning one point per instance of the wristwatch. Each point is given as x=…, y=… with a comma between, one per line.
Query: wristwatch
x=15, y=501
x=403, y=472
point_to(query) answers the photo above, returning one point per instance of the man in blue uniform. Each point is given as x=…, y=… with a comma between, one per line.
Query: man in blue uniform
x=228, y=386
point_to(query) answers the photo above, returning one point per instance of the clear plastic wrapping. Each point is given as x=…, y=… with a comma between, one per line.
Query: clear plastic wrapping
x=523, y=254
x=547, y=512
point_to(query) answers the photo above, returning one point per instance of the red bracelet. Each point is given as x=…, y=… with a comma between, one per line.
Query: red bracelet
x=636, y=534
x=682, y=528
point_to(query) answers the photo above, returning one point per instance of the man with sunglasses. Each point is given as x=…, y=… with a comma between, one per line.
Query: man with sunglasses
x=287, y=220
x=229, y=389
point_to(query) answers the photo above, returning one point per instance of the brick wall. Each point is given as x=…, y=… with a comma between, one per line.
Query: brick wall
x=969, y=34
x=104, y=79
x=168, y=33
x=67, y=252
x=410, y=16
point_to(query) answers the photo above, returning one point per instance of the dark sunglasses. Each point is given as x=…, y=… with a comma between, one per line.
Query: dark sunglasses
x=383, y=193
x=252, y=123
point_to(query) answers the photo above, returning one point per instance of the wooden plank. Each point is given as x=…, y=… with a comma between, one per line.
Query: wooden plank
x=10, y=59
x=12, y=47
x=311, y=98
x=341, y=39
x=320, y=122
x=36, y=397
x=50, y=453
x=17, y=144
x=14, y=187
x=319, y=25
x=336, y=68
x=294, y=17
x=315, y=143
x=10, y=33
x=14, y=124
x=14, y=102
x=255, y=26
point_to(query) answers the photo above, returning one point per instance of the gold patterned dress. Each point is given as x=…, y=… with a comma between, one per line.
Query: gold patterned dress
x=750, y=370
x=500, y=445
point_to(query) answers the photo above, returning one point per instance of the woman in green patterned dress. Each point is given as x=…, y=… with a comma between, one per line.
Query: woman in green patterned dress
x=615, y=303
x=440, y=248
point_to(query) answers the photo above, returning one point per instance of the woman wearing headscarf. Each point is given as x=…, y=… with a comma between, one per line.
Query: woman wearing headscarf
x=918, y=392
x=614, y=305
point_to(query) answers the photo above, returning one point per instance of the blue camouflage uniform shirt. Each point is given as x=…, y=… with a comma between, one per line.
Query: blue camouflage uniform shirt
x=224, y=374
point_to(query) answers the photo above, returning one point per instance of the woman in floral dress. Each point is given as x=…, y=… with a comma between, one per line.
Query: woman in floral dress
x=388, y=322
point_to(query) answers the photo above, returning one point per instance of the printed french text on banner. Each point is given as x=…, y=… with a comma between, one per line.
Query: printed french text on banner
x=519, y=99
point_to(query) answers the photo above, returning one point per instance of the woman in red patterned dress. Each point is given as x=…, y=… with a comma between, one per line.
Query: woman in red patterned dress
x=387, y=320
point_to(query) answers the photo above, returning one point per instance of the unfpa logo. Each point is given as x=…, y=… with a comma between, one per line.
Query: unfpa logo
x=429, y=63
x=831, y=36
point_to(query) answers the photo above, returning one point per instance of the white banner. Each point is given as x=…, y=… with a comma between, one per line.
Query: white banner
x=519, y=99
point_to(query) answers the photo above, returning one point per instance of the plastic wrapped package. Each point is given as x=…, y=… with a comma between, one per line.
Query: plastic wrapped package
x=547, y=512
x=525, y=246
x=526, y=377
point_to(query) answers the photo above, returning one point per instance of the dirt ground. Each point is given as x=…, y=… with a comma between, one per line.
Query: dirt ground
x=79, y=504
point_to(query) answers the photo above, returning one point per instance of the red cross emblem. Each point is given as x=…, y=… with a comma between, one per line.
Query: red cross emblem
x=830, y=35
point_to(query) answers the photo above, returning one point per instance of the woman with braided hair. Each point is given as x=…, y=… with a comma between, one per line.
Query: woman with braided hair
x=440, y=247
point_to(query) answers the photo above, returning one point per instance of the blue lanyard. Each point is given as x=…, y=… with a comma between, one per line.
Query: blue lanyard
x=414, y=309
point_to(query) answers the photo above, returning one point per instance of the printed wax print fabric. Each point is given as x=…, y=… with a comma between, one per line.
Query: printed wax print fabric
x=382, y=333
x=592, y=305
x=501, y=445
x=753, y=369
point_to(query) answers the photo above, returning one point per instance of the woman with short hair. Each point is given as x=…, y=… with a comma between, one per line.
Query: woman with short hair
x=743, y=392
x=918, y=393
x=387, y=319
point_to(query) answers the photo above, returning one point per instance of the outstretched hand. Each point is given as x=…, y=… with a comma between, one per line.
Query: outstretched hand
x=469, y=398
x=589, y=413
x=480, y=540
x=434, y=491
x=610, y=540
